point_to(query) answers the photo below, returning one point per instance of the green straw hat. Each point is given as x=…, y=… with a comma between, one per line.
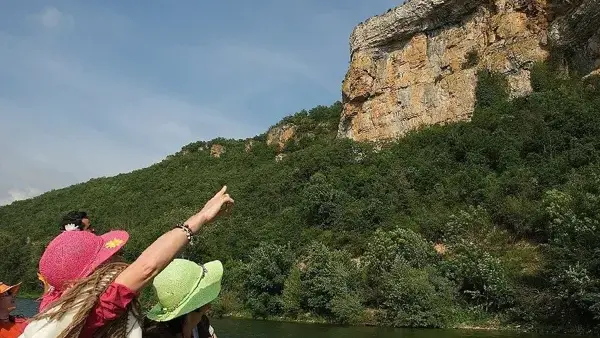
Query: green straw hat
x=184, y=286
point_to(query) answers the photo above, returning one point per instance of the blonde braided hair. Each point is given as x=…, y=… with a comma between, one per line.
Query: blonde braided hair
x=85, y=294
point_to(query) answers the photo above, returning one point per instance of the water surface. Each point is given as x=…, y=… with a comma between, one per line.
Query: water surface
x=245, y=328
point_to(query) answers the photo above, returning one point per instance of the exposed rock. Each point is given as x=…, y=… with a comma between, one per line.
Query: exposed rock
x=417, y=64
x=594, y=73
x=589, y=54
x=280, y=157
x=249, y=145
x=404, y=21
x=280, y=135
x=577, y=26
x=217, y=150
x=440, y=248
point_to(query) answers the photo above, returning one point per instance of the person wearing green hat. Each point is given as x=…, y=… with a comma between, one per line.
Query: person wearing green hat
x=184, y=290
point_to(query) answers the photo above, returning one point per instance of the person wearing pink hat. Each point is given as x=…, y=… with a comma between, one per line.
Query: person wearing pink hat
x=74, y=255
x=92, y=293
x=72, y=221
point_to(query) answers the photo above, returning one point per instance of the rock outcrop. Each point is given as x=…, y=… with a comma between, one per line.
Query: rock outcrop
x=280, y=135
x=249, y=145
x=216, y=150
x=417, y=64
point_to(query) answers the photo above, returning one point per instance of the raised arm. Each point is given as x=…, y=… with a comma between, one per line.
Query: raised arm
x=160, y=253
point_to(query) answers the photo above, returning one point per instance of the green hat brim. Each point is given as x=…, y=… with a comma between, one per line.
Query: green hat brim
x=205, y=292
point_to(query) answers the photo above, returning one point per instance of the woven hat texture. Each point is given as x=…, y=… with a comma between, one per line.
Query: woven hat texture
x=73, y=255
x=184, y=286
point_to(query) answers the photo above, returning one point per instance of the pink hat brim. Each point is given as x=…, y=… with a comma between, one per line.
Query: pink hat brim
x=113, y=242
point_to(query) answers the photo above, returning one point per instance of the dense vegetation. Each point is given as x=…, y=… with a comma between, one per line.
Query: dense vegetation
x=488, y=222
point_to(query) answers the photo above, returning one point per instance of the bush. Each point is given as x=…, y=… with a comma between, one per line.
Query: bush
x=481, y=277
x=292, y=293
x=347, y=308
x=492, y=89
x=385, y=247
x=265, y=274
x=229, y=302
x=15, y=255
x=416, y=297
x=327, y=279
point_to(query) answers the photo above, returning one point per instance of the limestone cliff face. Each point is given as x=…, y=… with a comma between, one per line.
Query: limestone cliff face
x=417, y=64
x=280, y=135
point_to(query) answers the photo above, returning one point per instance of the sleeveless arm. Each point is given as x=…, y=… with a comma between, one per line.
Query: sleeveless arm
x=160, y=253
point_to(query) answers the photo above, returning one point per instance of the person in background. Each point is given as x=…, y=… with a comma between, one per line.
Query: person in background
x=184, y=290
x=96, y=295
x=10, y=326
x=76, y=221
x=72, y=221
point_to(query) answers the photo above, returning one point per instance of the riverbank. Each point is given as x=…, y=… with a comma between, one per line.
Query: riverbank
x=490, y=325
x=29, y=295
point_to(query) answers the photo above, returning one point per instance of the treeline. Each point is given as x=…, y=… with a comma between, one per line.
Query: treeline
x=489, y=222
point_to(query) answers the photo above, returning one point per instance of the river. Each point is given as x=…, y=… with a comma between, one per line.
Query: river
x=243, y=328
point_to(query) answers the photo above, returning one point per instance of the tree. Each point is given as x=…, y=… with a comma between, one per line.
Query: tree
x=265, y=275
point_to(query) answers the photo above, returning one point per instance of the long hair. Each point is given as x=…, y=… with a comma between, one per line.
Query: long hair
x=85, y=294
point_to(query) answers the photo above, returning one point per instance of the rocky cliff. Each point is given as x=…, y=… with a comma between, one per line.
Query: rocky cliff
x=417, y=64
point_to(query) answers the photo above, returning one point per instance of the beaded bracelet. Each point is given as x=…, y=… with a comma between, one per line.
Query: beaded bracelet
x=188, y=232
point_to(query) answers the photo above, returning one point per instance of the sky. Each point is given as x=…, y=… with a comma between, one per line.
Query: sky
x=96, y=88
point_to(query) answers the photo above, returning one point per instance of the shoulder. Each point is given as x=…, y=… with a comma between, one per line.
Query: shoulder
x=16, y=325
x=118, y=294
x=111, y=305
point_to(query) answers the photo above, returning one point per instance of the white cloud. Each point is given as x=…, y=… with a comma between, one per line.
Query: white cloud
x=119, y=93
x=19, y=194
x=65, y=121
x=51, y=17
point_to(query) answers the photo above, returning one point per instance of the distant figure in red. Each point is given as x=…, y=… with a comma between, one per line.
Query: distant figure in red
x=10, y=326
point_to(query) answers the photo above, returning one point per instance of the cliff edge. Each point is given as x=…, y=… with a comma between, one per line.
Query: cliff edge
x=417, y=64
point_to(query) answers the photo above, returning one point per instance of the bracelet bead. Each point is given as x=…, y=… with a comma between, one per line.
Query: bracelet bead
x=187, y=230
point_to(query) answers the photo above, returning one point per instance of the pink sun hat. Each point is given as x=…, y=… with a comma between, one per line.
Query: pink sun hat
x=73, y=255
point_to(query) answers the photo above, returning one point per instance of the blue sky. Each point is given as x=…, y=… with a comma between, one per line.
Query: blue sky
x=95, y=88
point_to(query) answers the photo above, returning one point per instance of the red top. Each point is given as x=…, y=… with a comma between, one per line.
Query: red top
x=112, y=304
x=12, y=329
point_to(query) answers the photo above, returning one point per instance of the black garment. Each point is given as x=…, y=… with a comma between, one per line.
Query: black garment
x=172, y=328
x=204, y=328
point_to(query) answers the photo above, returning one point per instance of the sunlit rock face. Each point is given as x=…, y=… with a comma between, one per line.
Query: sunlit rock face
x=417, y=64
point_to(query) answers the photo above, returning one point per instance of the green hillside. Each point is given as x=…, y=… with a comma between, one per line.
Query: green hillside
x=489, y=222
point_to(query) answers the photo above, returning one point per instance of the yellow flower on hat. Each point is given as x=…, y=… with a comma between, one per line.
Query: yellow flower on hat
x=113, y=243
